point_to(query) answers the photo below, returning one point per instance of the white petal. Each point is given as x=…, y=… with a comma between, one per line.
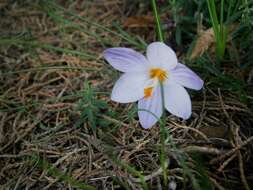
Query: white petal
x=186, y=77
x=129, y=87
x=162, y=56
x=177, y=100
x=153, y=105
x=125, y=59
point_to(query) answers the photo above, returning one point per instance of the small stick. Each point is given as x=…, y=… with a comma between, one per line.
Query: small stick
x=207, y=150
x=216, y=184
x=229, y=153
x=226, y=163
x=193, y=129
x=243, y=178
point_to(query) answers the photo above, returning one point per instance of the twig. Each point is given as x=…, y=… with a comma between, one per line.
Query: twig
x=216, y=184
x=222, y=104
x=243, y=178
x=238, y=141
x=226, y=163
x=192, y=129
x=229, y=153
x=207, y=150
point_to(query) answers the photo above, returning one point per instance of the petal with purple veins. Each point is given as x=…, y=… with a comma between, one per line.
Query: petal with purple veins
x=184, y=76
x=150, y=109
x=177, y=100
x=129, y=87
x=125, y=59
x=162, y=56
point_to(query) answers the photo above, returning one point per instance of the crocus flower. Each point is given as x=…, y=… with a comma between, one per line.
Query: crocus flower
x=142, y=77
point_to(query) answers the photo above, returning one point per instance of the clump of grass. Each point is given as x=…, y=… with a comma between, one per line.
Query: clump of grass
x=219, y=28
x=90, y=107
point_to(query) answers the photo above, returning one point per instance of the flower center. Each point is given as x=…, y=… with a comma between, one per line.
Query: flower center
x=148, y=92
x=160, y=74
x=154, y=73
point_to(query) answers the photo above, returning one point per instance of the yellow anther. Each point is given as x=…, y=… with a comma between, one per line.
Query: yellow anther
x=148, y=92
x=158, y=73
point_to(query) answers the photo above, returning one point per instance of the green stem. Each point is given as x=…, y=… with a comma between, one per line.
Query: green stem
x=163, y=159
x=222, y=29
x=218, y=27
x=158, y=21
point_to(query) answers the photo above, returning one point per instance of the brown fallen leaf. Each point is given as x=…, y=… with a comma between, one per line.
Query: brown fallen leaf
x=206, y=40
x=143, y=21
x=139, y=21
x=214, y=132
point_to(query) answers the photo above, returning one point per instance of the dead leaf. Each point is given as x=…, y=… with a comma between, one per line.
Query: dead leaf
x=206, y=40
x=214, y=132
x=139, y=22
x=142, y=21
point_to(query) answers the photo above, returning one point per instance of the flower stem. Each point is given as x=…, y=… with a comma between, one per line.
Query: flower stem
x=163, y=159
x=158, y=21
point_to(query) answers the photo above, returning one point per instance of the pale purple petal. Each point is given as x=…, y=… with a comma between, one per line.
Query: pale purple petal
x=177, y=100
x=153, y=105
x=184, y=76
x=162, y=56
x=129, y=87
x=125, y=59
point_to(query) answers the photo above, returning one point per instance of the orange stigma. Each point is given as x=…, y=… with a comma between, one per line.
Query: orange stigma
x=148, y=92
x=158, y=73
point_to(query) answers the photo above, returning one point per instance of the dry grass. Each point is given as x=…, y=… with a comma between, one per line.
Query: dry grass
x=41, y=91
